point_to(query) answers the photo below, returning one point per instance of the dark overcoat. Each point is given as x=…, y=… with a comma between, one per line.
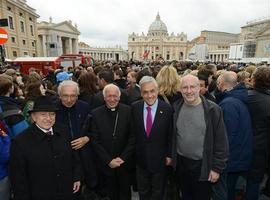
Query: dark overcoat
x=259, y=107
x=43, y=167
x=80, y=120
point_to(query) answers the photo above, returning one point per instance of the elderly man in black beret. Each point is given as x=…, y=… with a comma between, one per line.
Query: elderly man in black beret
x=43, y=165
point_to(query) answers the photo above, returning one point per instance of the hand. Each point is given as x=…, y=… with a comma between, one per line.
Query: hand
x=76, y=186
x=114, y=163
x=168, y=161
x=119, y=160
x=79, y=142
x=3, y=133
x=213, y=176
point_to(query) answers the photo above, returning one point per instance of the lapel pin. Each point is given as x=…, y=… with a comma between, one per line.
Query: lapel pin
x=160, y=112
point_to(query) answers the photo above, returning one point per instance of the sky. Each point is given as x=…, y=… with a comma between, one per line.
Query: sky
x=107, y=23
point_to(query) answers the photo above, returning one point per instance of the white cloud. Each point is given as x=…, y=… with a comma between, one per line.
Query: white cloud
x=108, y=22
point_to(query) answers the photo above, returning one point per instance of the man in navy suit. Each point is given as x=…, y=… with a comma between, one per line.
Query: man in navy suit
x=152, y=120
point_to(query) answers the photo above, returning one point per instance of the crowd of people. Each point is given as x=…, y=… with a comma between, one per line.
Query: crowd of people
x=168, y=131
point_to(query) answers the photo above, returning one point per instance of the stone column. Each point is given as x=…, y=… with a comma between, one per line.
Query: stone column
x=70, y=45
x=44, y=45
x=120, y=56
x=60, y=48
x=76, y=46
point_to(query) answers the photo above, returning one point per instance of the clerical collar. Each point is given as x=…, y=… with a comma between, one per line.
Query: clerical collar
x=44, y=130
x=112, y=109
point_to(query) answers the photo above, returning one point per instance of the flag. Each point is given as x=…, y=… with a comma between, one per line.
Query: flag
x=146, y=53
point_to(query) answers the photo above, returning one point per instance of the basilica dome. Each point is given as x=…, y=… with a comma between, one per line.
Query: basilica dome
x=157, y=27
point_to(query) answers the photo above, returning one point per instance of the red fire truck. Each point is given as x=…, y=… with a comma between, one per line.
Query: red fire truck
x=43, y=64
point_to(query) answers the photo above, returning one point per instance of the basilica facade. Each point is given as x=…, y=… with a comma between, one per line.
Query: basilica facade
x=158, y=44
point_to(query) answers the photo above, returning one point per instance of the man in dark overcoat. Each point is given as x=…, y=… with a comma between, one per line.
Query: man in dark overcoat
x=259, y=107
x=75, y=115
x=114, y=144
x=43, y=165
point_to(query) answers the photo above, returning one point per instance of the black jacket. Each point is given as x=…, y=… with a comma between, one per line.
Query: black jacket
x=80, y=122
x=43, y=167
x=109, y=144
x=259, y=107
x=151, y=152
x=78, y=114
x=215, y=147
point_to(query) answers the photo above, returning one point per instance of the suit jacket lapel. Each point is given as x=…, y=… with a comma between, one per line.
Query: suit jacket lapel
x=141, y=119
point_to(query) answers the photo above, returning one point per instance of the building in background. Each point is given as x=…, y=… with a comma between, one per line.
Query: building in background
x=236, y=51
x=55, y=39
x=158, y=44
x=254, y=42
x=199, y=52
x=103, y=53
x=213, y=46
x=22, y=28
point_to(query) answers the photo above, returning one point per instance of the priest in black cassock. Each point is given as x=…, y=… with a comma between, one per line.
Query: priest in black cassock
x=114, y=144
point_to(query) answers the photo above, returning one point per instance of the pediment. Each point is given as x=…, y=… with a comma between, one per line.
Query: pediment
x=66, y=27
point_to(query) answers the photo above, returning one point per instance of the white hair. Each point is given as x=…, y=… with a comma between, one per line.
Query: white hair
x=109, y=86
x=148, y=79
x=68, y=83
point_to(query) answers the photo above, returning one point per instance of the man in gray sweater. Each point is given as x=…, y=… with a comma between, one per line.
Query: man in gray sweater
x=200, y=144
